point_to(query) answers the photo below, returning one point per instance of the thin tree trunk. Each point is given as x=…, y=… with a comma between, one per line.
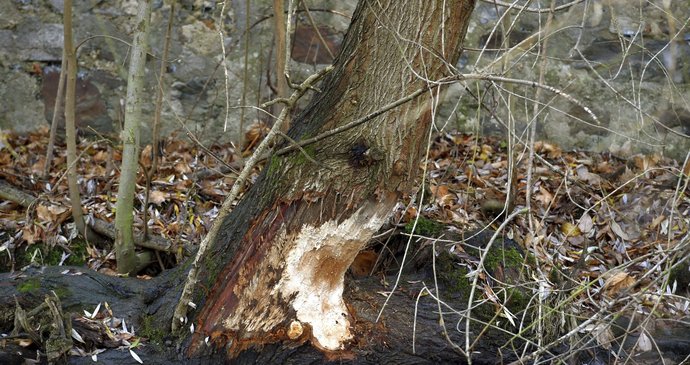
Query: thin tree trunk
x=70, y=128
x=279, y=260
x=127, y=261
x=57, y=110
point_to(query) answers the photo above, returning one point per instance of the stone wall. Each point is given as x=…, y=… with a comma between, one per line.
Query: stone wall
x=632, y=72
x=629, y=64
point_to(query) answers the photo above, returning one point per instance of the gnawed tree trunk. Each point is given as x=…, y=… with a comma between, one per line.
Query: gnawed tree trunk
x=280, y=258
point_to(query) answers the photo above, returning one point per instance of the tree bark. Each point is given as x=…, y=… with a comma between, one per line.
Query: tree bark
x=127, y=260
x=273, y=281
x=280, y=258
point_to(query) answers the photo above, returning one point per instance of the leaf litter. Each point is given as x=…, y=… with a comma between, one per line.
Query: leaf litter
x=608, y=220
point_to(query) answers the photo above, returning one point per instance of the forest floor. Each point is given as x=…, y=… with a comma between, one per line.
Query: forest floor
x=613, y=225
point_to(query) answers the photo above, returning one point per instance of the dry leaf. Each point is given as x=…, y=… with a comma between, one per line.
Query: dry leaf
x=604, y=336
x=616, y=228
x=552, y=151
x=588, y=177
x=158, y=197
x=585, y=224
x=135, y=356
x=49, y=213
x=544, y=197
x=617, y=282
x=656, y=221
x=182, y=168
x=644, y=343
x=570, y=229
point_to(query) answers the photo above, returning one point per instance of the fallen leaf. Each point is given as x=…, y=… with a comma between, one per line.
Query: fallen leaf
x=616, y=228
x=544, y=197
x=617, y=282
x=570, y=229
x=585, y=224
x=158, y=197
x=135, y=356
x=644, y=343
x=588, y=177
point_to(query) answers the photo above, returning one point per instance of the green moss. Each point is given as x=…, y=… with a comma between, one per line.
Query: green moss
x=301, y=159
x=509, y=258
x=425, y=227
x=517, y=300
x=451, y=276
x=680, y=274
x=273, y=165
x=151, y=331
x=45, y=255
x=555, y=275
x=62, y=292
x=29, y=285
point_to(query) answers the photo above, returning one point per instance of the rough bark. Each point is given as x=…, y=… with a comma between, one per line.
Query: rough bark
x=281, y=255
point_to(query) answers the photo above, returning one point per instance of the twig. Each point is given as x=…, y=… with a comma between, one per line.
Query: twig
x=221, y=36
x=288, y=36
x=304, y=152
x=533, y=10
x=70, y=128
x=245, y=74
x=10, y=193
x=57, y=110
x=316, y=29
x=354, y=123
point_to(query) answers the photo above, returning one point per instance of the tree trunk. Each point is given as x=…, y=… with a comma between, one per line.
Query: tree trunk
x=273, y=279
x=127, y=260
x=276, y=270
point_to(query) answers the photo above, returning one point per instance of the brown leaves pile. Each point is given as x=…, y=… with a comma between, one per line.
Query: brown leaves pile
x=603, y=222
x=182, y=206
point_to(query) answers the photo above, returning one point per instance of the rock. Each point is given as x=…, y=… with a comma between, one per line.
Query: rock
x=36, y=41
x=9, y=16
x=91, y=110
x=78, y=6
x=19, y=110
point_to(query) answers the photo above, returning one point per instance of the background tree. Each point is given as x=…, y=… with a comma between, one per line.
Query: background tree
x=127, y=259
x=70, y=53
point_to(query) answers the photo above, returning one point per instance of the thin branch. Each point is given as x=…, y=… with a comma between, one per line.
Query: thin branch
x=419, y=91
x=57, y=111
x=221, y=36
x=480, y=266
x=533, y=10
x=70, y=112
x=245, y=73
x=316, y=29
x=355, y=123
